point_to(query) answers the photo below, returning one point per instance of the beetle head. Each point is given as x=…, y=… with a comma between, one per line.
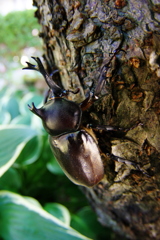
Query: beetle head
x=59, y=115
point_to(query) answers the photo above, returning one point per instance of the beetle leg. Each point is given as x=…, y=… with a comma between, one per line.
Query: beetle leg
x=88, y=101
x=66, y=92
x=111, y=128
x=106, y=128
x=104, y=76
x=123, y=160
x=101, y=80
x=106, y=66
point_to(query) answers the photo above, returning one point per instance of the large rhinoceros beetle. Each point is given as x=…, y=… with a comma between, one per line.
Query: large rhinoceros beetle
x=74, y=145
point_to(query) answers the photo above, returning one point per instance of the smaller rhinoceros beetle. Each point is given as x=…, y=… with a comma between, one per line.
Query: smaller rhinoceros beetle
x=74, y=146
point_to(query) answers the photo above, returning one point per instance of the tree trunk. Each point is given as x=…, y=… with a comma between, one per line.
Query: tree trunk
x=80, y=37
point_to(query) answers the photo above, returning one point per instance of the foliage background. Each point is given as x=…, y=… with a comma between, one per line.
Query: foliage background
x=27, y=166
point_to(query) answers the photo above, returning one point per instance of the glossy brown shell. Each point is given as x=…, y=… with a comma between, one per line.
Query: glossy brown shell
x=79, y=157
x=60, y=116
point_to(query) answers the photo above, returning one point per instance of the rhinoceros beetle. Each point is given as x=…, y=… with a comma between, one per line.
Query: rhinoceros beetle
x=74, y=146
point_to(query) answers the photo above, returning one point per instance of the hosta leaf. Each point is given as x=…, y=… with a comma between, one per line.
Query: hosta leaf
x=22, y=120
x=10, y=104
x=28, y=99
x=31, y=151
x=59, y=211
x=22, y=219
x=12, y=141
x=12, y=185
x=5, y=117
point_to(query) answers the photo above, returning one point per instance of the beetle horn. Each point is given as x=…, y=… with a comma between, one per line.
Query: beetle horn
x=35, y=110
x=40, y=68
x=52, y=85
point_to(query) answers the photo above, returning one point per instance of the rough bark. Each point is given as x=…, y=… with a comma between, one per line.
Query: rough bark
x=79, y=38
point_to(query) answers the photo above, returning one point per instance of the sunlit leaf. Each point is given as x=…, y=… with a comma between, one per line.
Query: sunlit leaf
x=5, y=117
x=28, y=99
x=22, y=219
x=31, y=151
x=12, y=141
x=58, y=211
x=22, y=119
x=10, y=104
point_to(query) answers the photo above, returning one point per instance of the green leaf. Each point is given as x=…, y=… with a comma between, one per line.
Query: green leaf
x=22, y=120
x=58, y=211
x=10, y=104
x=27, y=115
x=22, y=219
x=30, y=152
x=85, y=221
x=3, y=91
x=12, y=185
x=12, y=141
x=5, y=117
x=28, y=99
x=54, y=167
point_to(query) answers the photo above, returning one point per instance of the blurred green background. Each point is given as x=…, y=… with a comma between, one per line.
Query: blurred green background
x=54, y=207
